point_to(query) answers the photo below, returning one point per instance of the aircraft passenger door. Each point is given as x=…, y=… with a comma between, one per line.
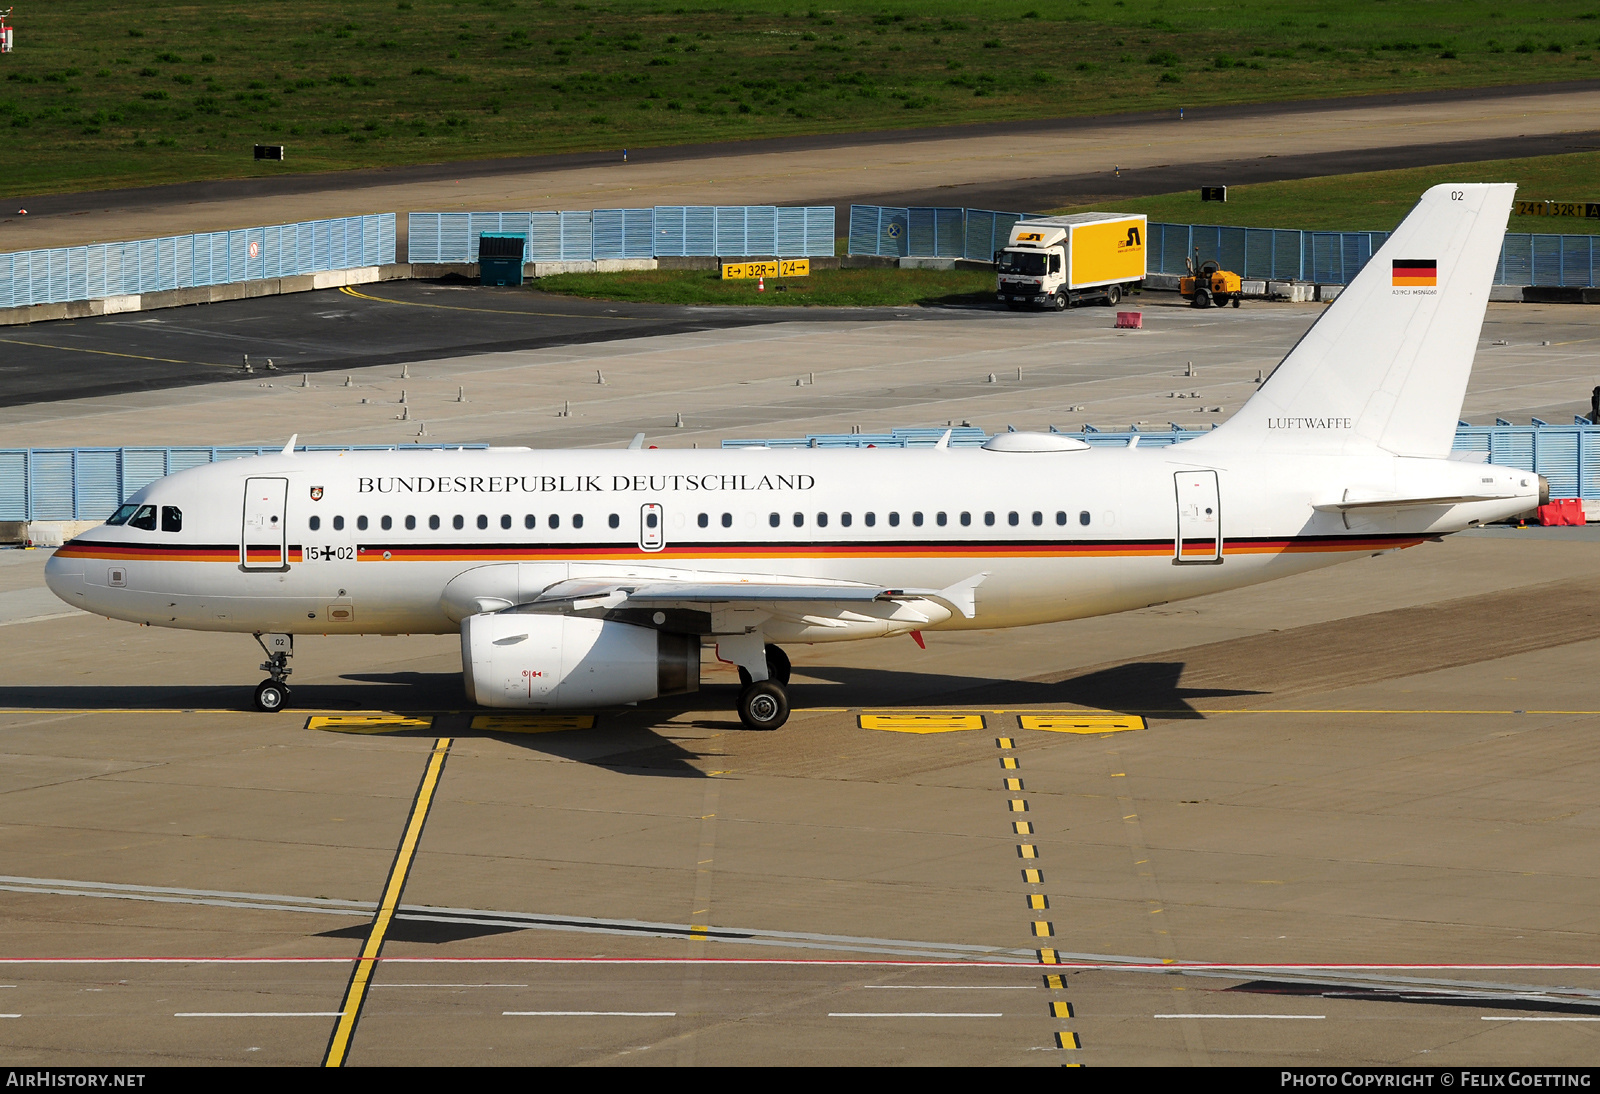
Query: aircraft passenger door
x=1199, y=538
x=652, y=527
x=264, y=539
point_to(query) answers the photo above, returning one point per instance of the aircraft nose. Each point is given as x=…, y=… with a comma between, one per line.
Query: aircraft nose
x=64, y=576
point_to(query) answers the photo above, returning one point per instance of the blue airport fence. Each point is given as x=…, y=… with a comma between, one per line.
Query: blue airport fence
x=99, y=270
x=929, y=232
x=1567, y=455
x=1269, y=254
x=89, y=483
x=665, y=231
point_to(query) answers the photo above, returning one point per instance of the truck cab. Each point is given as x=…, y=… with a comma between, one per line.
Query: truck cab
x=1060, y=262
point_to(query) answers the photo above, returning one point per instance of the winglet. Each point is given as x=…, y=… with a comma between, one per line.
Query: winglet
x=637, y=442
x=963, y=595
x=944, y=441
x=288, y=449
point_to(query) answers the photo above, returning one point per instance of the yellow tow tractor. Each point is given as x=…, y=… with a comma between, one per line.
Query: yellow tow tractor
x=1207, y=283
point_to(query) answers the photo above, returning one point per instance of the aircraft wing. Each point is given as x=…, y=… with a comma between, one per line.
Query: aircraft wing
x=701, y=591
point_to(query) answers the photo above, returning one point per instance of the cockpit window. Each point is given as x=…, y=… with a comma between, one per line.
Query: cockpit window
x=122, y=514
x=171, y=518
x=144, y=519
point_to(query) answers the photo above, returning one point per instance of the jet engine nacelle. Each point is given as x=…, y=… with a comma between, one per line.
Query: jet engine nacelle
x=517, y=659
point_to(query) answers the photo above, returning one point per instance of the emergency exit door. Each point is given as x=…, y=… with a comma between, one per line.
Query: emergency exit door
x=1199, y=537
x=264, y=539
x=652, y=527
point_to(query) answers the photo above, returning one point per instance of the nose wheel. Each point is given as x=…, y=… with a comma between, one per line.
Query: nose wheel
x=271, y=696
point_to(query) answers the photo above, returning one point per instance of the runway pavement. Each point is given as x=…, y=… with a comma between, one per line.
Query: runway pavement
x=1013, y=165
x=1346, y=818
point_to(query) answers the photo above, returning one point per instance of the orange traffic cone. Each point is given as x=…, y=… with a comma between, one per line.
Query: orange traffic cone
x=761, y=283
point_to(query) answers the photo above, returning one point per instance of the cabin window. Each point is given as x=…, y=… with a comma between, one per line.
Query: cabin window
x=1061, y=516
x=361, y=524
x=315, y=523
x=338, y=524
x=1011, y=518
x=1083, y=518
x=458, y=522
x=577, y=520
x=988, y=520
x=774, y=519
x=411, y=524
x=799, y=520
x=387, y=522
x=171, y=518
x=555, y=520
x=871, y=519
x=727, y=520
x=122, y=514
x=505, y=520
x=966, y=519
x=916, y=518
x=894, y=520
x=703, y=520
x=614, y=520
x=1038, y=518
x=822, y=520
x=941, y=520
x=483, y=521
x=433, y=523
x=144, y=519
x=844, y=519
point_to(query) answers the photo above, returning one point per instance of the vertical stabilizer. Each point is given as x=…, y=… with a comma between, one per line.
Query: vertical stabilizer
x=1386, y=364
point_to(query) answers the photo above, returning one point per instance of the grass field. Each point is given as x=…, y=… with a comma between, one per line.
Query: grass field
x=824, y=288
x=113, y=93
x=1379, y=200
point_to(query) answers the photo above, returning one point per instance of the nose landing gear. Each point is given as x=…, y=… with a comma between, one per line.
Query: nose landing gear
x=272, y=694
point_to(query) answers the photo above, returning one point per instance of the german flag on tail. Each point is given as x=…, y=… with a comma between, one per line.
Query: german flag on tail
x=1416, y=272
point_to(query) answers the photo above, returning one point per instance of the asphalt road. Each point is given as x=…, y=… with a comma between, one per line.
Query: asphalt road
x=331, y=330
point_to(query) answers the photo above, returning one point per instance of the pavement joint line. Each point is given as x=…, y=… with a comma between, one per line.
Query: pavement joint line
x=346, y=290
x=405, y=854
x=914, y=1014
x=1516, y=1018
x=257, y=1014
x=1263, y=1016
x=589, y=1013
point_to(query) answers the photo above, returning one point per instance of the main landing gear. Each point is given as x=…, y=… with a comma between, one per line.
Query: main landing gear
x=272, y=694
x=764, y=704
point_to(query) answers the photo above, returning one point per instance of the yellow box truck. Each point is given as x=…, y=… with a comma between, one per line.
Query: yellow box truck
x=1060, y=262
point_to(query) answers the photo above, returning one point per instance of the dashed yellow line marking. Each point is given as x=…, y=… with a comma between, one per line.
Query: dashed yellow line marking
x=1027, y=850
x=1055, y=981
x=367, y=723
x=1008, y=762
x=1019, y=805
x=1038, y=902
x=1013, y=784
x=921, y=723
x=361, y=976
x=1033, y=877
x=1004, y=742
x=1065, y=1039
x=1022, y=828
x=1048, y=957
x=1060, y=1010
x=531, y=723
x=1043, y=928
x=1081, y=723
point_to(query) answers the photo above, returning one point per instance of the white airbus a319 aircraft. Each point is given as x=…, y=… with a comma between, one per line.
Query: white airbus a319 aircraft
x=587, y=578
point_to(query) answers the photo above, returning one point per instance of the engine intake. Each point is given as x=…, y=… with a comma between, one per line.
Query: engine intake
x=532, y=660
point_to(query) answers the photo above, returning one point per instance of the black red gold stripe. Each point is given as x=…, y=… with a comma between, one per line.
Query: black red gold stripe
x=1416, y=272
x=713, y=552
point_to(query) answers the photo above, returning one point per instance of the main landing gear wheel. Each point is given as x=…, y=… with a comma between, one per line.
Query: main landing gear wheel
x=271, y=696
x=764, y=705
